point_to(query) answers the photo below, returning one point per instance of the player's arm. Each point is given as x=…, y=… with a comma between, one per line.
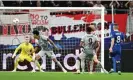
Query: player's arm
x=49, y=40
x=97, y=46
x=52, y=43
x=112, y=44
x=126, y=5
x=82, y=42
x=16, y=50
x=36, y=47
x=123, y=38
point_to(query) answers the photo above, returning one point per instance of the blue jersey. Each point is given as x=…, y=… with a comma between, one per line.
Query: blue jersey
x=118, y=38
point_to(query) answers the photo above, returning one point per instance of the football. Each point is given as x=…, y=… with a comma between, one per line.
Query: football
x=15, y=20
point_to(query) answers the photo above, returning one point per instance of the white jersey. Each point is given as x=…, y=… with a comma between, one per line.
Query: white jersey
x=43, y=43
x=89, y=41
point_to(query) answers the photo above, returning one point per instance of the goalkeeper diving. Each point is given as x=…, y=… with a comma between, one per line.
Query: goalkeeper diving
x=26, y=54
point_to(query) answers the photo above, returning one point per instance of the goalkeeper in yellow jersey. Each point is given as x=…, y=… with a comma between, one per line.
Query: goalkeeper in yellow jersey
x=25, y=54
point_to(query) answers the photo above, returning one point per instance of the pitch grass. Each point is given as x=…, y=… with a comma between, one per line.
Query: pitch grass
x=63, y=76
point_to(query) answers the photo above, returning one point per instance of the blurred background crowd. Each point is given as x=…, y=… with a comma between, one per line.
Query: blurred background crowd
x=119, y=6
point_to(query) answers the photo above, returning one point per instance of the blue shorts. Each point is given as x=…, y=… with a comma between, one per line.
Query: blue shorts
x=116, y=52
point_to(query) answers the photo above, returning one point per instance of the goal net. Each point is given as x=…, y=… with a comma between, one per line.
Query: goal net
x=66, y=28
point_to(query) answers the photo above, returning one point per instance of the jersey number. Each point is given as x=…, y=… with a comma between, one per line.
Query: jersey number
x=118, y=39
x=90, y=40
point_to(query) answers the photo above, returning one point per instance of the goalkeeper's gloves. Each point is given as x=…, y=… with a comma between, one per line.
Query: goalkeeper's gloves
x=13, y=55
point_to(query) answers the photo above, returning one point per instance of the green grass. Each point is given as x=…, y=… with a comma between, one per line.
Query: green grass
x=63, y=76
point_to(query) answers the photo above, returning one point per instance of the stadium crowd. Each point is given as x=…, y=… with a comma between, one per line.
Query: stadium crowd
x=41, y=3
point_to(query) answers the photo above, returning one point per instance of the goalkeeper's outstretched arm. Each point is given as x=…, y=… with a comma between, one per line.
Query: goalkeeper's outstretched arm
x=16, y=50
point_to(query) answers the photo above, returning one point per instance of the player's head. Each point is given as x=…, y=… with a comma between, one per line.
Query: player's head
x=90, y=29
x=36, y=34
x=116, y=27
x=27, y=38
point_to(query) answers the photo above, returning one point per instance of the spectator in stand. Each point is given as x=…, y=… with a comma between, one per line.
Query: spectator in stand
x=98, y=4
x=129, y=4
x=69, y=4
x=89, y=4
x=1, y=3
x=38, y=3
x=116, y=5
x=55, y=3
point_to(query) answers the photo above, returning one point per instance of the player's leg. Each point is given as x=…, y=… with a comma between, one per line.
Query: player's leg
x=29, y=58
x=78, y=65
x=80, y=57
x=111, y=55
x=99, y=63
x=83, y=65
x=118, y=62
x=90, y=57
x=37, y=57
x=20, y=59
x=59, y=64
x=53, y=57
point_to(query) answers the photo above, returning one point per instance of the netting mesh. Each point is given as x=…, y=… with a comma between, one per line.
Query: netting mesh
x=65, y=36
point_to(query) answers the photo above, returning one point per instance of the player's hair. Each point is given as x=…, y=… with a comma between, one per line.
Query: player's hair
x=116, y=26
x=35, y=32
x=88, y=29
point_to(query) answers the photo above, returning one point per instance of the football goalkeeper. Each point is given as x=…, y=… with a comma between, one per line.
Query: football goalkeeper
x=25, y=54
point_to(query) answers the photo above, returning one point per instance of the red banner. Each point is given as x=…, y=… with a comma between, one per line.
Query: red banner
x=120, y=19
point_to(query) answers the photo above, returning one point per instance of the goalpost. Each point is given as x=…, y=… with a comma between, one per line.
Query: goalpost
x=71, y=22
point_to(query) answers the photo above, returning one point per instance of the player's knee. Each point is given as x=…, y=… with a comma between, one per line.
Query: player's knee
x=96, y=61
x=37, y=57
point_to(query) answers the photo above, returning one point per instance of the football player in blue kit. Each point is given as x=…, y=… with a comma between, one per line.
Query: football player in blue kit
x=117, y=38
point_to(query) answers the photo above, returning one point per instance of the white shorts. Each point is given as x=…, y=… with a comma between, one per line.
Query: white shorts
x=84, y=56
x=48, y=53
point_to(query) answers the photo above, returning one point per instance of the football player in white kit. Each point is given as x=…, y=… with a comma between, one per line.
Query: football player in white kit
x=90, y=45
x=44, y=42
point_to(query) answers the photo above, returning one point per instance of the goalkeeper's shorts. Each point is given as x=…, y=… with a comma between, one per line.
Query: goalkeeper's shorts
x=25, y=57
